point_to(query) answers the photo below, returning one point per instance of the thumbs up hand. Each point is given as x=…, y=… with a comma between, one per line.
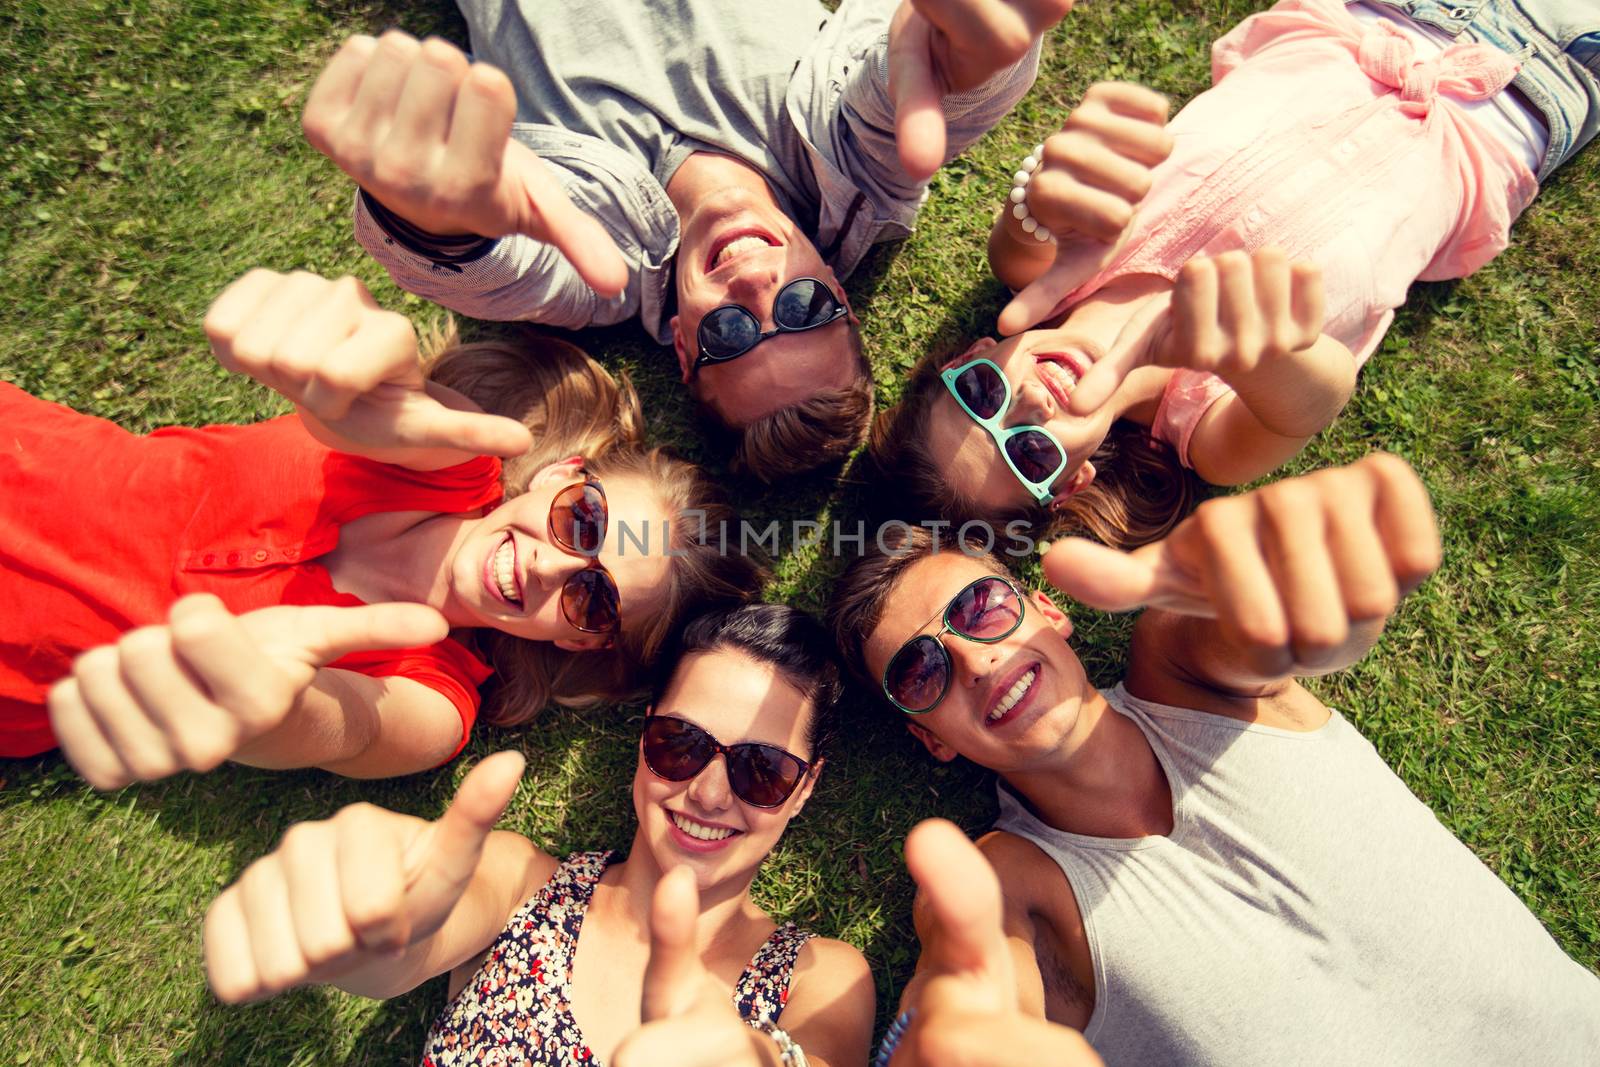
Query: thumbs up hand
x=963, y=1000
x=339, y=892
x=1290, y=569
x=349, y=366
x=190, y=694
x=687, y=1019
x=428, y=133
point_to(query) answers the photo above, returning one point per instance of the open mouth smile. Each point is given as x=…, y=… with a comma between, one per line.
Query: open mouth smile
x=501, y=575
x=1014, y=699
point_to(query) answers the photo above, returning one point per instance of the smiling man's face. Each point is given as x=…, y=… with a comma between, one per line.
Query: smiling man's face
x=736, y=249
x=1011, y=705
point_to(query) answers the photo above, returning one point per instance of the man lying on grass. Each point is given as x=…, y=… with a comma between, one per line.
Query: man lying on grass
x=713, y=168
x=1203, y=864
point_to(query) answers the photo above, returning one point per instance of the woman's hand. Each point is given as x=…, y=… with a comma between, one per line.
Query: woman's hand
x=428, y=133
x=688, y=1020
x=963, y=999
x=345, y=892
x=1084, y=191
x=350, y=367
x=1239, y=316
x=192, y=693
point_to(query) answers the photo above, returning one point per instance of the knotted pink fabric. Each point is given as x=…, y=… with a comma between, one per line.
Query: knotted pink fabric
x=1464, y=71
x=1344, y=140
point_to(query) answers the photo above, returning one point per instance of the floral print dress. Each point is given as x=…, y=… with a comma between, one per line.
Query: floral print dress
x=516, y=1009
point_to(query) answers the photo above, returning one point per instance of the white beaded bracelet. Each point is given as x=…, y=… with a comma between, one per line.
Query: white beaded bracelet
x=1019, y=196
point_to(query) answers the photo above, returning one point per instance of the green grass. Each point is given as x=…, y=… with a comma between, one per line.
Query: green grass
x=150, y=153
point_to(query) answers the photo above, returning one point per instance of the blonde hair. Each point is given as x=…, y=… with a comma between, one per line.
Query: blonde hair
x=574, y=406
x=823, y=428
x=1139, y=494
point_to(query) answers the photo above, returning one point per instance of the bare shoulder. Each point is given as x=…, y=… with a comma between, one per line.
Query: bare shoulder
x=828, y=968
x=831, y=1003
x=1045, y=924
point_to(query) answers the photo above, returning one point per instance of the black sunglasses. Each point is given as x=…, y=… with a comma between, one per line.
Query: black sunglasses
x=763, y=776
x=729, y=331
x=918, y=675
x=590, y=599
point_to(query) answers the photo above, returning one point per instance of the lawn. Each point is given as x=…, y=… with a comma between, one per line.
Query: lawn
x=150, y=152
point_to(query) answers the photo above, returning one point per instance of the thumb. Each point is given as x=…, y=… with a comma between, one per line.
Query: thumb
x=1102, y=577
x=320, y=635
x=919, y=132
x=960, y=896
x=674, y=976
x=1135, y=344
x=452, y=849
x=446, y=419
x=1076, y=262
x=548, y=213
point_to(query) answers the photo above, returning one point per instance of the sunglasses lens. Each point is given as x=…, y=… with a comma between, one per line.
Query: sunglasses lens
x=728, y=331
x=982, y=390
x=917, y=676
x=674, y=749
x=578, y=518
x=591, y=602
x=986, y=609
x=804, y=303
x=763, y=775
x=1035, y=455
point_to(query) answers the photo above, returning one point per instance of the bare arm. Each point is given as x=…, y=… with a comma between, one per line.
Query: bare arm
x=831, y=1004
x=361, y=727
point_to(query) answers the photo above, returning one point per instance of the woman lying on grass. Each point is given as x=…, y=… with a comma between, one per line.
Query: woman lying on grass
x=238, y=558
x=1341, y=154
x=590, y=959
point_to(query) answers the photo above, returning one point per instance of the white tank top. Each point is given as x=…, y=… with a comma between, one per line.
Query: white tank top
x=1306, y=909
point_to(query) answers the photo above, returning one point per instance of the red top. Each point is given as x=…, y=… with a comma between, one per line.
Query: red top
x=101, y=531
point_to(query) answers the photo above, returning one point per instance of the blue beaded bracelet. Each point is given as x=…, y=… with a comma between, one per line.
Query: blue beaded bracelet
x=891, y=1038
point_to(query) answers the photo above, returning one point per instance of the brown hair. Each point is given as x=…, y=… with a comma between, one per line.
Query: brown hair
x=575, y=407
x=826, y=427
x=1139, y=494
x=863, y=590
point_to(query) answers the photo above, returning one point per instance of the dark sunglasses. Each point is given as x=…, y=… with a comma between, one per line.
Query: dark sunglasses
x=763, y=776
x=729, y=331
x=918, y=675
x=1032, y=452
x=590, y=599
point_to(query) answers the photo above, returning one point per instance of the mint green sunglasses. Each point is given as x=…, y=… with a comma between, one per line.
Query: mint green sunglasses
x=1032, y=452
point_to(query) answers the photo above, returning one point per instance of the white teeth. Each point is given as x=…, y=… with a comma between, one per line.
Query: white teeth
x=1014, y=694
x=505, y=563
x=699, y=831
x=738, y=246
x=1063, y=375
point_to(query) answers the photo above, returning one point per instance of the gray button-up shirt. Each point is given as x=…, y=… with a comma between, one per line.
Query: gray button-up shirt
x=614, y=94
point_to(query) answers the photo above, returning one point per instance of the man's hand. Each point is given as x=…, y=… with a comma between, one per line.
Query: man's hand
x=1289, y=569
x=429, y=135
x=941, y=47
x=1235, y=315
x=964, y=997
x=348, y=364
x=190, y=694
x=338, y=893
x=1085, y=188
x=688, y=1021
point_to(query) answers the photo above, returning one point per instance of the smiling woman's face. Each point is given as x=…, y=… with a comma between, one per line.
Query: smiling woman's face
x=508, y=571
x=1042, y=370
x=700, y=822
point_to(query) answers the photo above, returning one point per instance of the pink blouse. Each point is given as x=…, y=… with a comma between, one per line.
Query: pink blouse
x=1330, y=139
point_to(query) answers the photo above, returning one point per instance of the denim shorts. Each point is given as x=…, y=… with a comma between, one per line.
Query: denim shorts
x=1556, y=41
